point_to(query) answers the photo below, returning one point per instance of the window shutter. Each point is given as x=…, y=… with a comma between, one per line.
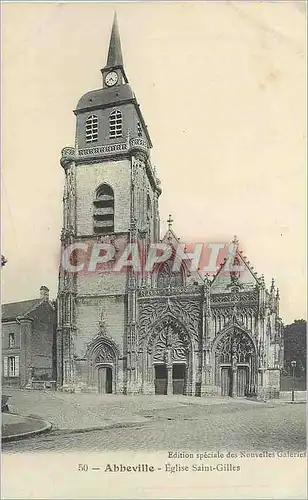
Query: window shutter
x=5, y=373
x=115, y=124
x=91, y=128
x=16, y=366
x=104, y=210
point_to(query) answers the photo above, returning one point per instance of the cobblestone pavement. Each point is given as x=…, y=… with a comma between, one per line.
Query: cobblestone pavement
x=84, y=411
x=158, y=424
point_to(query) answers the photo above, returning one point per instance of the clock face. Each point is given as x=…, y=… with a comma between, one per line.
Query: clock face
x=111, y=78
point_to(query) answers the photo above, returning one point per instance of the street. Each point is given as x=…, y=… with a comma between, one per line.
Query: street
x=149, y=423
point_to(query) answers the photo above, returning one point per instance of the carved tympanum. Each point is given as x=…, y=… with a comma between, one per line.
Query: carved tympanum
x=170, y=345
x=105, y=355
x=235, y=346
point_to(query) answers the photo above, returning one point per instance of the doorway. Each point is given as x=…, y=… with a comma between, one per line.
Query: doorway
x=179, y=378
x=226, y=381
x=105, y=380
x=241, y=381
x=160, y=379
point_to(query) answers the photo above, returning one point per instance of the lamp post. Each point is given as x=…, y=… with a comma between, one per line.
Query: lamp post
x=293, y=364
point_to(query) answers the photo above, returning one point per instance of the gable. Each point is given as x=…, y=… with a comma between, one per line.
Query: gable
x=170, y=238
x=246, y=278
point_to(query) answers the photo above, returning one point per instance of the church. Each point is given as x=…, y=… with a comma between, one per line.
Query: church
x=168, y=332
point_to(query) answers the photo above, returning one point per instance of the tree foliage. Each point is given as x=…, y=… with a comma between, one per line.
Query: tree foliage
x=295, y=347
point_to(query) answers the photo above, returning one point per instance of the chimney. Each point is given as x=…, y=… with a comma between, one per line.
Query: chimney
x=44, y=293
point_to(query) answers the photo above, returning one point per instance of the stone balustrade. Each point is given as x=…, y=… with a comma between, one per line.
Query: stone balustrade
x=176, y=290
x=137, y=144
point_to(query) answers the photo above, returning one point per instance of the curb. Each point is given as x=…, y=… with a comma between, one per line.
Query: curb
x=85, y=430
x=23, y=435
x=303, y=402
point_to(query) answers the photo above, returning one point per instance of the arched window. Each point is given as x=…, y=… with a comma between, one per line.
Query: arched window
x=91, y=128
x=115, y=124
x=104, y=210
x=166, y=277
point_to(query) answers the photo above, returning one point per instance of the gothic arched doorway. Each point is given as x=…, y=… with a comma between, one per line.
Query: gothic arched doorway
x=169, y=358
x=103, y=361
x=235, y=363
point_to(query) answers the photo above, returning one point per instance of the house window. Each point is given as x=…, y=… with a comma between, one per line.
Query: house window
x=91, y=128
x=11, y=366
x=104, y=210
x=11, y=340
x=139, y=129
x=115, y=124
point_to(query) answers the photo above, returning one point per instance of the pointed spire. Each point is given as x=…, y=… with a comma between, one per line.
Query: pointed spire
x=273, y=286
x=234, y=245
x=170, y=220
x=115, y=52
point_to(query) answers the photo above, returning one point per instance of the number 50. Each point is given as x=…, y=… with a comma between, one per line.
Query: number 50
x=83, y=467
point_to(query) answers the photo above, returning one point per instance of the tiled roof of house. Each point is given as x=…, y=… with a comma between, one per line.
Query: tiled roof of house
x=16, y=309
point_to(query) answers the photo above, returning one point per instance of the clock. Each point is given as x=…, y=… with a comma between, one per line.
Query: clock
x=111, y=78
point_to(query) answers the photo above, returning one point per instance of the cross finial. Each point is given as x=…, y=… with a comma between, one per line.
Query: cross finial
x=170, y=220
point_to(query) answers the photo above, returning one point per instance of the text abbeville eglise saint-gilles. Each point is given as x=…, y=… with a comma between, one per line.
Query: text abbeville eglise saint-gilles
x=172, y=468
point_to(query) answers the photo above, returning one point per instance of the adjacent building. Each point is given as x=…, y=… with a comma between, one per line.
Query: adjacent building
x=170, y=332
x=28, y=341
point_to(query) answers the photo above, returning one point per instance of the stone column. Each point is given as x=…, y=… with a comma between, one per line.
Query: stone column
x=234, y=376
x=208, y=376
x=233, y=368
x=168, y=361
x=193, y=370
x=169, y=380
x=203, y=369
x=149, y=378
x=149, y=385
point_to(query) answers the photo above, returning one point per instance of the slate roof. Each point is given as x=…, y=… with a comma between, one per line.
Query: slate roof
x=105, y=97
x=15, y=309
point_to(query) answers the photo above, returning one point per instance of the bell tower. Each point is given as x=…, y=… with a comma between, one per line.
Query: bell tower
x=111, y=192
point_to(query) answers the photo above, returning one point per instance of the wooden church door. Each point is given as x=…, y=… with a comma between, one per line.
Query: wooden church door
x=242, y=380
x=226, y=381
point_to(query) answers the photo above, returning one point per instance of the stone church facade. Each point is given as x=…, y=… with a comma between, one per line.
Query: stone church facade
x=164, y=333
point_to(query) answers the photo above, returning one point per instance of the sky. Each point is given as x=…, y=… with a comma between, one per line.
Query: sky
x=222, y=88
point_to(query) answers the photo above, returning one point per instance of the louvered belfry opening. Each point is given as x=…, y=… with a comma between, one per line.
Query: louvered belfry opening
x=92, y=128
x=104, y=210
x=115, y=124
